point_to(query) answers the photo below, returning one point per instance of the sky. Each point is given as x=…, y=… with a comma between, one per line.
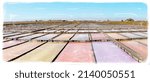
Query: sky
x=73, y=11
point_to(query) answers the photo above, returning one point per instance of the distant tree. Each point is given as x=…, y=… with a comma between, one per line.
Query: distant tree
x=129, y=19
x=122, y=20
x=108, y=20
x=64, y=20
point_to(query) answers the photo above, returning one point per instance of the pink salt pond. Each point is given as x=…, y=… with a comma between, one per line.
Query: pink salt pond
x=64, y=37
x=44, y=53
x=21, y=35
x=116, y=36
x=137, y=47
x=31, y=36
x=130, y=35
x=81, y=37
x=109, y=52
x=143, y=41
x=140, y=33
x=11, y=43
x=46, y=37
x=76, y=52
x=99, y=36
x=18, y=50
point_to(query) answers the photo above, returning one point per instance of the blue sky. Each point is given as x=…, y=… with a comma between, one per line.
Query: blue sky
x=74, y=11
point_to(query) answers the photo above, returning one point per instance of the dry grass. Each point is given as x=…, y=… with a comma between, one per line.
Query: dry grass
x=141, y=23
